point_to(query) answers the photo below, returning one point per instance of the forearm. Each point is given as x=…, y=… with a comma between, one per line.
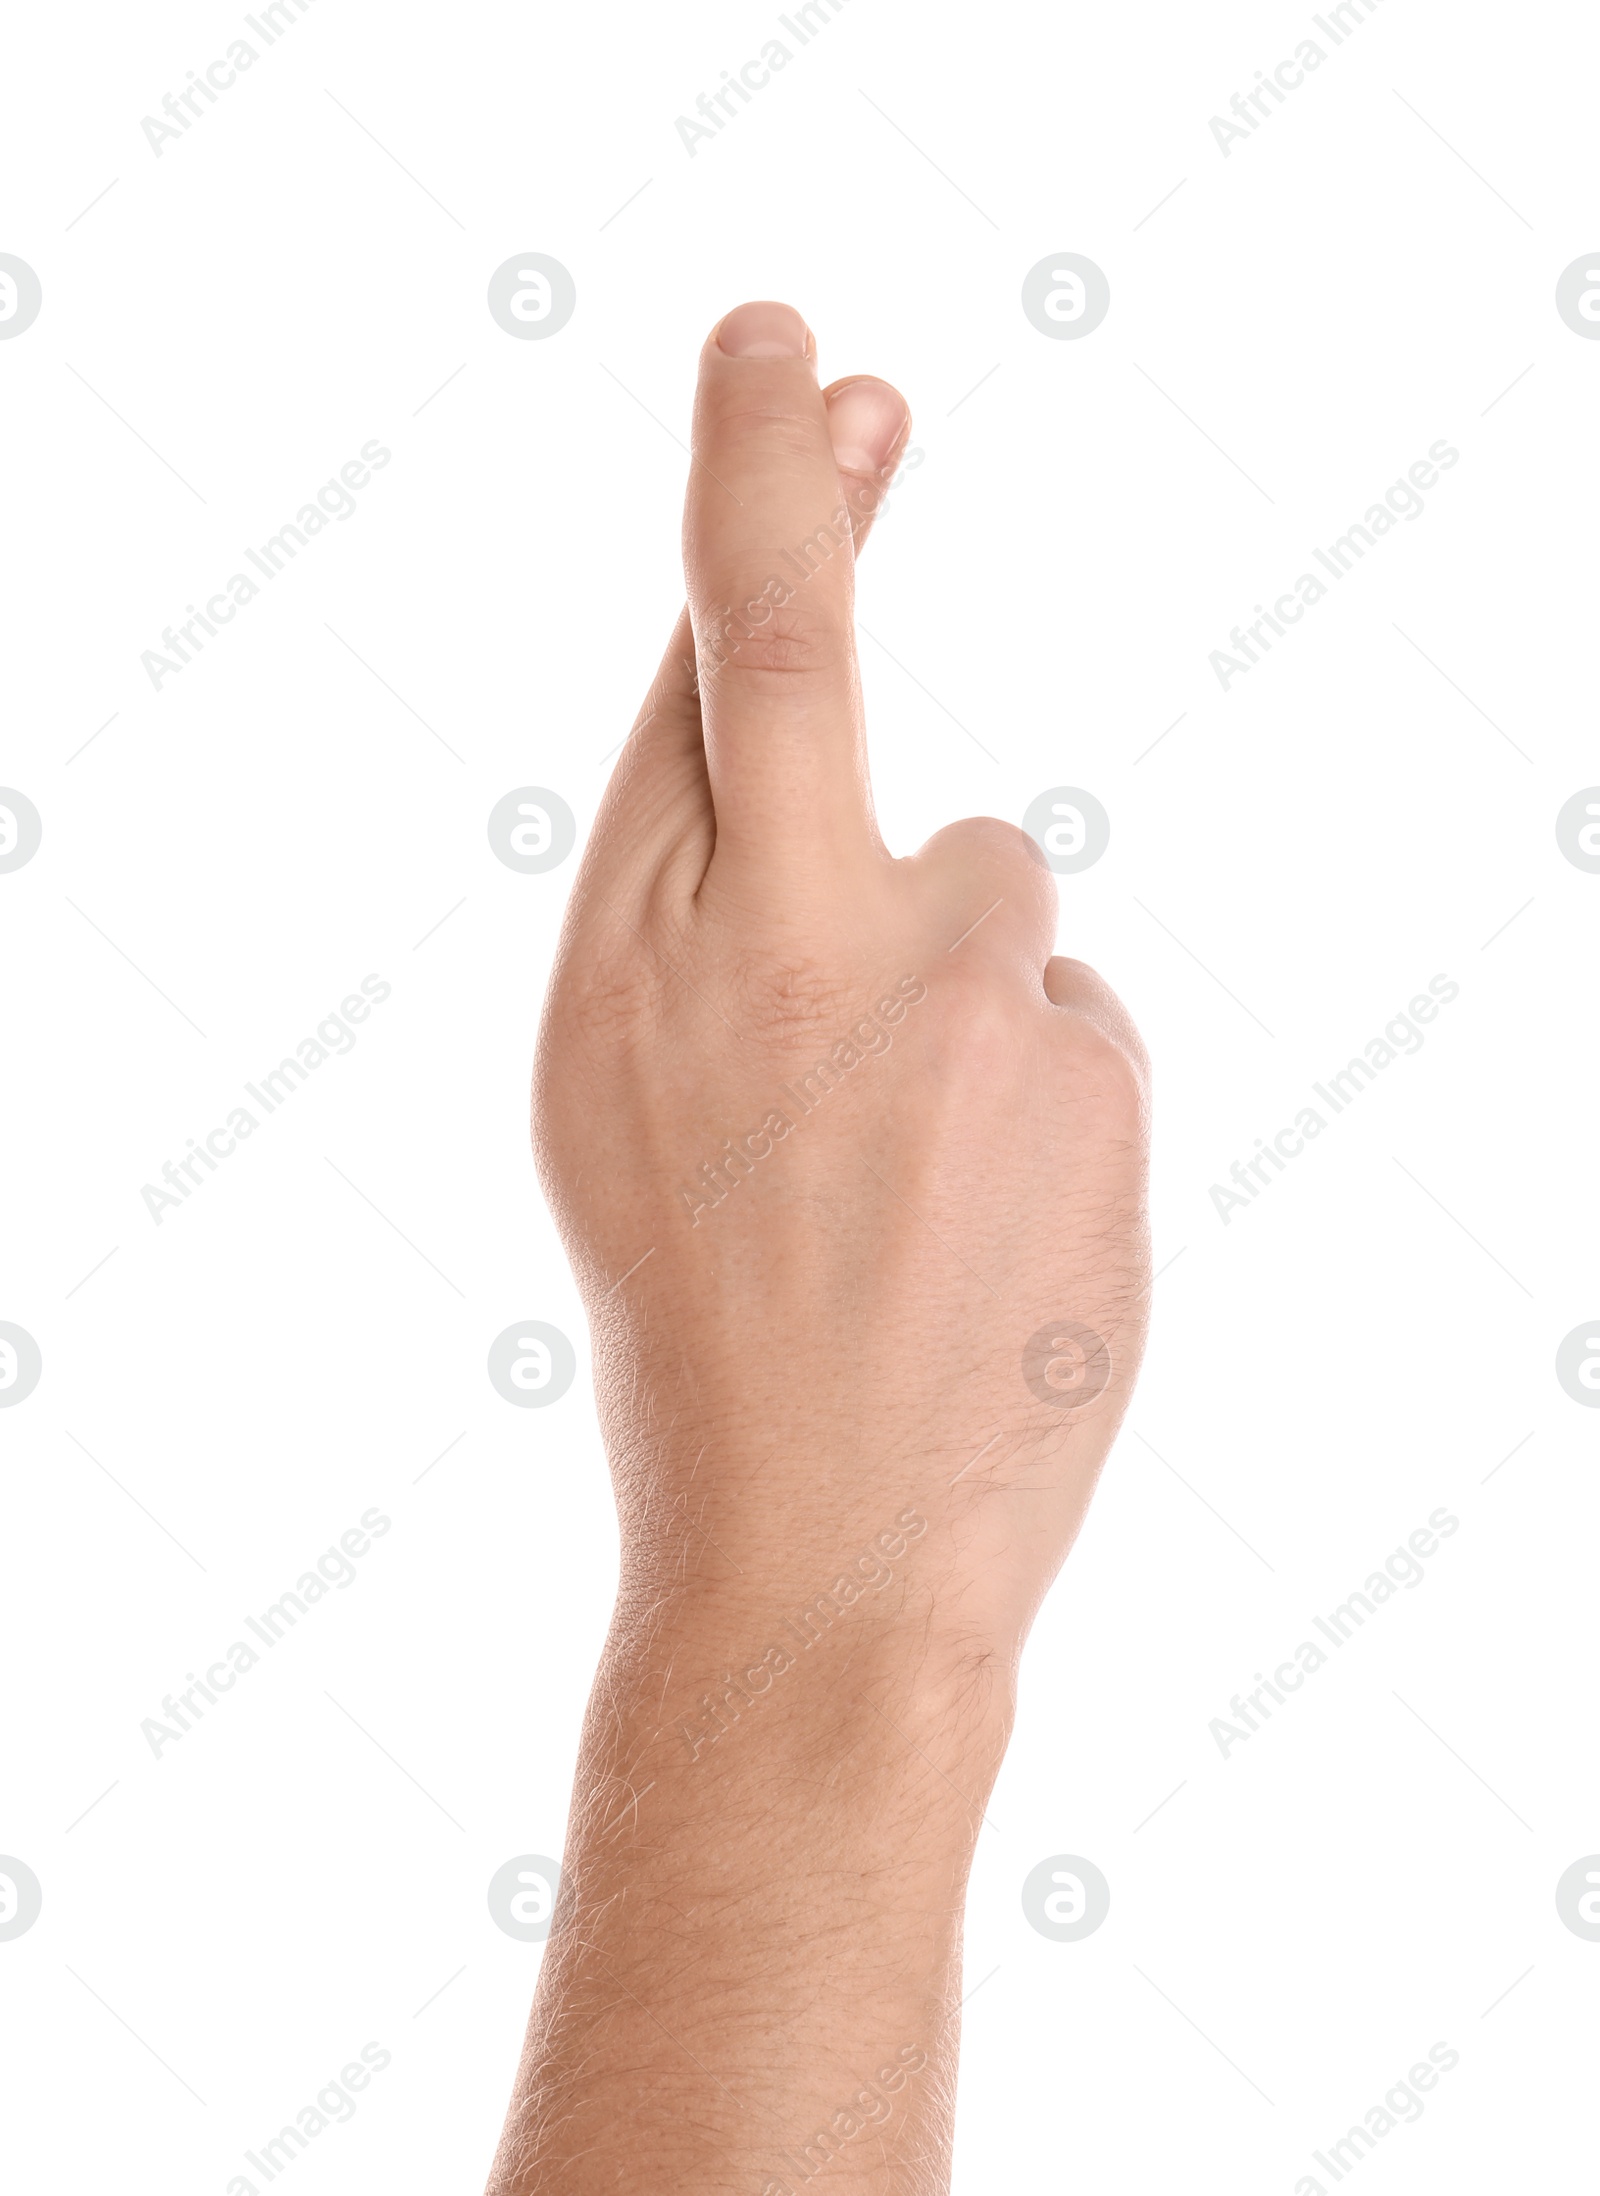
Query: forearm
x=755, y=1969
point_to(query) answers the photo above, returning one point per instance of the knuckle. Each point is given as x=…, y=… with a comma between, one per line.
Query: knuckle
x=1001, y=842
x=791, y=644
x=991, y=842
x=988, y=855
x=607, y=987
x=796, y=999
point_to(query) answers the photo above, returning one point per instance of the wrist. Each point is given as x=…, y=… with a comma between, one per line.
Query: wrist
x=865, y=1702
x=814, y=1658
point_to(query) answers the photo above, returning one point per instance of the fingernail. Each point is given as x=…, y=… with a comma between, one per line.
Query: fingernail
x=865, y=422
x=763, y=330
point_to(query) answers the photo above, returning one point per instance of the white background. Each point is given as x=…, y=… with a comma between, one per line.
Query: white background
x=1374, y=1870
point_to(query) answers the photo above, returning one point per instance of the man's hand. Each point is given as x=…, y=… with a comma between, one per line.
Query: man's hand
x=851, y=1172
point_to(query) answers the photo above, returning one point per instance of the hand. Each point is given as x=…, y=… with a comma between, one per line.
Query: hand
x=851, y=1172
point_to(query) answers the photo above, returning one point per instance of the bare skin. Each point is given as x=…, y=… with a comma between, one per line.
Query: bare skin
x=851, y=1172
